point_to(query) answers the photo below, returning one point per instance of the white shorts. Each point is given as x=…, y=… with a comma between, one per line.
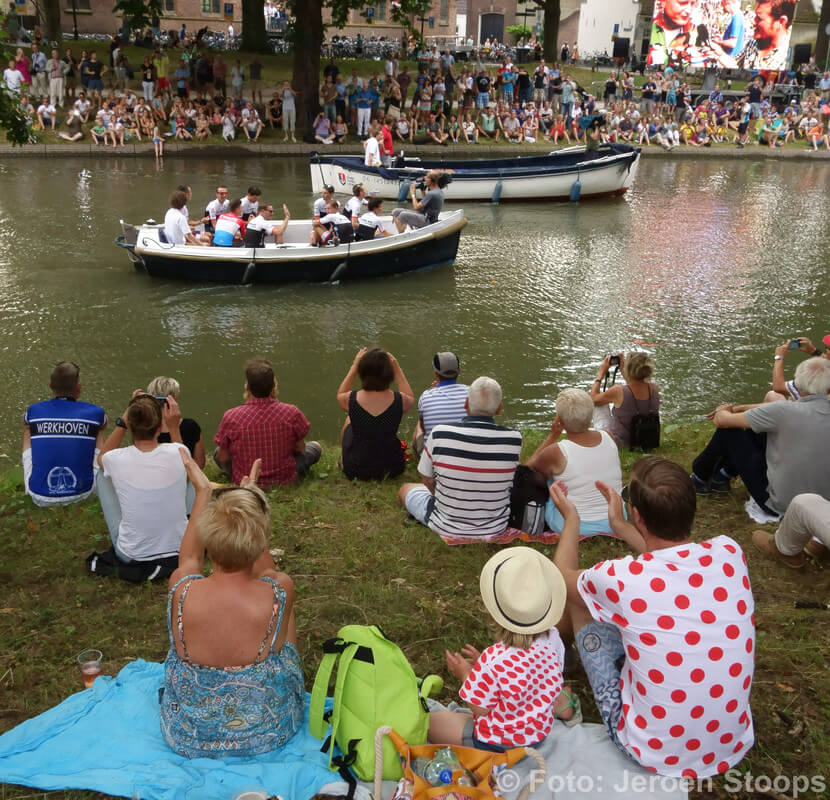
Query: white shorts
x=45, y=502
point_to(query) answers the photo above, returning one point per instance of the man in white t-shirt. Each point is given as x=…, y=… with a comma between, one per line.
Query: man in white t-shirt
x=667, y=638
x=143, y=488
x=13, y=77
x=323, y=230
x=176, y=227
x=215, y=208
x=371, y=157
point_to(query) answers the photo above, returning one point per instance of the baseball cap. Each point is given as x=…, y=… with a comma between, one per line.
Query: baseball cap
x=446, y=364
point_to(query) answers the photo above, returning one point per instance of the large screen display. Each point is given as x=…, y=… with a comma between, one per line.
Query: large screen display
x=734, y=34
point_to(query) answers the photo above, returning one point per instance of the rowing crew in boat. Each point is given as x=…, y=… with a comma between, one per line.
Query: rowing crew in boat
x=229, y=227
x=336, y=228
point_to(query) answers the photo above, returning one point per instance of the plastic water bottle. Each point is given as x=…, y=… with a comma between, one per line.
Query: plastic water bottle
x=449, y=755
x=418, y=765
x=438, y=772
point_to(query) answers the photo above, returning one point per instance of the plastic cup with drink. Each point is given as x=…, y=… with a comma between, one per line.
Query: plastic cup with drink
x=90, y=663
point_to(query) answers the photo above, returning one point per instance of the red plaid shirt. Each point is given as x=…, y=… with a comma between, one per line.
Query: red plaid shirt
x=263, y=428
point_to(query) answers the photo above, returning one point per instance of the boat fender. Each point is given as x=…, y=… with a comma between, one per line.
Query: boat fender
x=403, y=192
x=338, y=271
x=248, y=275
x=496, y=194
x=576, y=189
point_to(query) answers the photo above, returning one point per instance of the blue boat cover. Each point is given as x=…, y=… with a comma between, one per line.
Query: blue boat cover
x=107, y=739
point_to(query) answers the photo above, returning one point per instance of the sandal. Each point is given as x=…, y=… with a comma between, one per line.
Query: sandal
x=573, y=702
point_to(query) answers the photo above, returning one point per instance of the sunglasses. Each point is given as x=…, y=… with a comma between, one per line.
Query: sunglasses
x=263, y=503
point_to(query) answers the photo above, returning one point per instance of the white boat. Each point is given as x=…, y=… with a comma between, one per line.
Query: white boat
x=570, y=173
x=295, y=260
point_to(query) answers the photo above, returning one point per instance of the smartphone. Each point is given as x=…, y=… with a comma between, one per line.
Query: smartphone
x=162, y=401
x=795, y=344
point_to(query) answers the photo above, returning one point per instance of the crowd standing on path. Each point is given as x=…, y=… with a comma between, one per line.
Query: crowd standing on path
x=191, y=94
x=666, y=634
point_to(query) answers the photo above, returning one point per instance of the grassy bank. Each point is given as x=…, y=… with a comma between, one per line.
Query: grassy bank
x=355, y=559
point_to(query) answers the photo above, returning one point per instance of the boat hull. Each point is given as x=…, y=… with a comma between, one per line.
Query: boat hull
x=426, y=248
x=534, y=178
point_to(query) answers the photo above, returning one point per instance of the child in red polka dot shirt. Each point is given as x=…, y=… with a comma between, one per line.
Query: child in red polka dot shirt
x=514, y=687
x=667, y=638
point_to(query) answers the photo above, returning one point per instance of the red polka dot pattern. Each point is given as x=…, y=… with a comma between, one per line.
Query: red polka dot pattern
x=685, y=618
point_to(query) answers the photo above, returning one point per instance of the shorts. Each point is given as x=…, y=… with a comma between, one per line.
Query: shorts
x=44, y=501
x=469, y=739
x=181, y=91
x=95, y=84
x=411, y=218
x=742, y=127
x=163, y=83
x=602, y=653
x=419, y=503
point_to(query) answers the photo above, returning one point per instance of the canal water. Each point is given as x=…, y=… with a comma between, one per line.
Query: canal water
x=707, y=265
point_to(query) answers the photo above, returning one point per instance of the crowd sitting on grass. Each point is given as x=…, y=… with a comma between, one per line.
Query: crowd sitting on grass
x=192, y=95
x=666, y=635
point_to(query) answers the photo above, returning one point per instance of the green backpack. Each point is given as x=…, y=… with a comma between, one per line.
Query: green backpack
x=375, y=686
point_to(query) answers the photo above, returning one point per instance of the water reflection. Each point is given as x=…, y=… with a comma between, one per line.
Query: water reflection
x=706, y=265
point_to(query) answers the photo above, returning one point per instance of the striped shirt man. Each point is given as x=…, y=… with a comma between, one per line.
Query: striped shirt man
x=472, y=464
x=442, y=405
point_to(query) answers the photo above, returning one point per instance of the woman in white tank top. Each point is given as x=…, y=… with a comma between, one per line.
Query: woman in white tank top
x=583, y=458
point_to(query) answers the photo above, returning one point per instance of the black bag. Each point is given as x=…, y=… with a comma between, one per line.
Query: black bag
x=645, y=428
x=528, y=499
x=108, y=563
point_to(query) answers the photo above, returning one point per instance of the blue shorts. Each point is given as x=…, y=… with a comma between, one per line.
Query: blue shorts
x=95, y=83
x=602, y=653
x=419, y=503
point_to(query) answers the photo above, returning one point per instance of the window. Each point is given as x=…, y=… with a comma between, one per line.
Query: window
x=169, y=5
x=206, y=6
x=380, y=11
x=81, y=5
x=217, y=6
x=444, y=12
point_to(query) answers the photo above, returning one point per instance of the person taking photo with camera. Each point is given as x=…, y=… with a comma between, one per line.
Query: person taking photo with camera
x=424, y=211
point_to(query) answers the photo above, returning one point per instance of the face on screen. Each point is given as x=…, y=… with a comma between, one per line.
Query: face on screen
x=678, y=12
x=765, y=24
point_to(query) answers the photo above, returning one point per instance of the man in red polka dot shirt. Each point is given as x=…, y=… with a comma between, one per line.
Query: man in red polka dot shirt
x=667, y=638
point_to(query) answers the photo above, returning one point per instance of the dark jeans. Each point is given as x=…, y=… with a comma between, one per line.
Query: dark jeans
x=738, y=452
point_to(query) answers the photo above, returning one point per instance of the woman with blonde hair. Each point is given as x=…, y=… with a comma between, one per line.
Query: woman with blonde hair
x=584, y=457
x=233, y=679
x=639, y=395
x=163, y=387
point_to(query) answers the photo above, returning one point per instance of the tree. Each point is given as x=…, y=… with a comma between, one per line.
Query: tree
x=822, y=38
x=306, y=36
x=12, y=118
x=550, y=25
x=52, y=21
x=138, y=14
x=519, y=32
x=254, y=37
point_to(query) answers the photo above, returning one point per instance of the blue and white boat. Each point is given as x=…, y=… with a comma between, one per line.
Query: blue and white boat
x=610, y=170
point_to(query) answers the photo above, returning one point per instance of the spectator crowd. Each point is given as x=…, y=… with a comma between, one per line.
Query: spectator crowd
x=191, y=93
x=666, y=634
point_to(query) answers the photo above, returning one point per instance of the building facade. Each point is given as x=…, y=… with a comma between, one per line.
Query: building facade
x=603, y=21
x=375, y=19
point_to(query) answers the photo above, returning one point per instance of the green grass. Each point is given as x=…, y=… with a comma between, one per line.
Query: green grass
x=355, y=559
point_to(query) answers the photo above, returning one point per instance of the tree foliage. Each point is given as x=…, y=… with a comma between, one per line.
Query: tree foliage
x=519, y=32
x=52, y=21
x=12, y=118
x=138, y=14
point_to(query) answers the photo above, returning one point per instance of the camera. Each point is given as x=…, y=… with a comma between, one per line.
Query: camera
x=614, y=361
x=443, y=181
x=162, y=401
x=795, y=344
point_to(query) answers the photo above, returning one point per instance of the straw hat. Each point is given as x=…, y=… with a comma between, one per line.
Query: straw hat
x=523, y=590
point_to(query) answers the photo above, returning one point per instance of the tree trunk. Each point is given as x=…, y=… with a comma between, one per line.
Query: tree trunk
x=253, y=26
x=308, y=38
x=52, y=23
x=550, y=26
x=822, y=38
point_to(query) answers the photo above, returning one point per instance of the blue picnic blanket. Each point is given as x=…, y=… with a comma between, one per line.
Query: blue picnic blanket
x=107, y=739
